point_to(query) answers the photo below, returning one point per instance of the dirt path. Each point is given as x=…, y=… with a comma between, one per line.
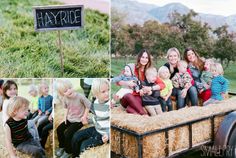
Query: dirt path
x=100, y=5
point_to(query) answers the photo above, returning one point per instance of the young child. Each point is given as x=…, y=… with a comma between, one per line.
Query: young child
x=204, y=88
x=77, y=106
x=150, y=99
x=98, y=134
x=219, y=85
x=44, y=104
x=16, y=130
x=33, y=101
x=10, y=90
x=164, y=98
x=128, y=75
x=182, y=81
x=45, y=128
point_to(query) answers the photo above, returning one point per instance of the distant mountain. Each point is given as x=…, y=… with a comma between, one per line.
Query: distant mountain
x=161, y=13
x=137, y=13
x=140, y=12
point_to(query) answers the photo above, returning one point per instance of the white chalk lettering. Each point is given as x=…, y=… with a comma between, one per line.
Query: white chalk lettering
x=63, y=17
x=40, y=19
x=58, y=18
x=48, y=20
x=55, y=17
x=77, y=15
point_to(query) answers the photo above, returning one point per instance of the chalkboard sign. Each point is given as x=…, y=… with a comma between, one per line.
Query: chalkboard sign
x=58, y=17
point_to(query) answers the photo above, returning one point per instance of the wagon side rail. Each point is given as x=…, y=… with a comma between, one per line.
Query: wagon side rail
x=189, y=124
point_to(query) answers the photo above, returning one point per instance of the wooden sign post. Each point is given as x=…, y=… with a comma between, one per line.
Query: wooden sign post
x=67, y=17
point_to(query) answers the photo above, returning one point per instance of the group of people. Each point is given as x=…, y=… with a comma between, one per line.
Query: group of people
x=27, y=123
x=146, y=91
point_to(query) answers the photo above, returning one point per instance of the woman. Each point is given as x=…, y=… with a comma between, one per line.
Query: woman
x=196, y=65
x=133, y=102
x=173, y=56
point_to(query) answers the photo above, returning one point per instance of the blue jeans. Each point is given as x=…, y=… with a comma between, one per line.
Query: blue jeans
x=165, y=104
x=85, y=139
x=191, y=94
x=32, y=147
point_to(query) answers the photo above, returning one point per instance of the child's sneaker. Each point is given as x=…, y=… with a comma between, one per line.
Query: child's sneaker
x=65, y=155
x=59, y=152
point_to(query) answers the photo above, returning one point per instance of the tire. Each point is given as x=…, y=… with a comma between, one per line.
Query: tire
x=226, y=136
x=232, y=143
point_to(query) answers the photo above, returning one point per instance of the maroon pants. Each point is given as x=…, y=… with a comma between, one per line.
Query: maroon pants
x=133, y=104
x=205, y=95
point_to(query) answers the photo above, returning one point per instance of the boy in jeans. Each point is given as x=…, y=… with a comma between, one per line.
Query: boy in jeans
x=16, y=130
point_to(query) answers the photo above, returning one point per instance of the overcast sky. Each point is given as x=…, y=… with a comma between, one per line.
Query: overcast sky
x=218, y=7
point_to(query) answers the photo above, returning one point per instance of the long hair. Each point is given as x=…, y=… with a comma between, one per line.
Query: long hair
x=7, y=86
x=138, y=65
x=198, y=63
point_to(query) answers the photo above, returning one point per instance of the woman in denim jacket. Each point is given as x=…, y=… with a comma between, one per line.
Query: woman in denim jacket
x=196, y=65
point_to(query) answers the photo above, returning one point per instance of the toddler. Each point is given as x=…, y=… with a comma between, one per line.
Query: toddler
x=164, y=98
x=77, y=106
x=219, y=85
x=150, y=99
x=99, y=133
x=16, y=130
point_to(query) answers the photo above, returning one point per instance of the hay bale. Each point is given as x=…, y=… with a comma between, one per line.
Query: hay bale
x=104, y=152
x=217, y=122
x=115, y=137
x=201, y=132
x=154, y=145
x=178, y=138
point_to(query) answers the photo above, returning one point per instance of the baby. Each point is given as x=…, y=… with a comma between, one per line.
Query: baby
x=204, y=88
x=128, y=75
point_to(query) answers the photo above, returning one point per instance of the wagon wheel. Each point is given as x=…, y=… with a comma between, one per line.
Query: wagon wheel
x=232, y=143
x=226, y=135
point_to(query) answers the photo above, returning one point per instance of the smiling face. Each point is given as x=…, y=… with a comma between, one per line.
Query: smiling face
x=69, y=93
x=12, y=91
x=144, y=59
x=191, y=56
x=21, y=113
x=173, y=58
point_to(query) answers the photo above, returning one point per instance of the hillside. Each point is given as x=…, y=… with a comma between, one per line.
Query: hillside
x=140, y=12
x=26, y=53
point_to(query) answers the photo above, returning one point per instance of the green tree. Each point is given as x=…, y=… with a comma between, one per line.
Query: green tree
x=225, y=46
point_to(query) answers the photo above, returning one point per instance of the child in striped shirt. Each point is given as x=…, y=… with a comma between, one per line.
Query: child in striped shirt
x=219, y=85
x=16, y=130
x=99, y=133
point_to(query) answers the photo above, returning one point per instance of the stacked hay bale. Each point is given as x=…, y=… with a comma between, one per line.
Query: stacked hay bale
x=154, y=145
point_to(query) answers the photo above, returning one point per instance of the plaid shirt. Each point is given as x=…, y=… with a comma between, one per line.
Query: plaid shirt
x=181, y=80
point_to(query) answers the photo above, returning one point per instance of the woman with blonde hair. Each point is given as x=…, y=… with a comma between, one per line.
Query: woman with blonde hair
x=173, y=56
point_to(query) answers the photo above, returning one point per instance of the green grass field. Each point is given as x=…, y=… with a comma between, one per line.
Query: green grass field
x=117, y=64
x=26, y=53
